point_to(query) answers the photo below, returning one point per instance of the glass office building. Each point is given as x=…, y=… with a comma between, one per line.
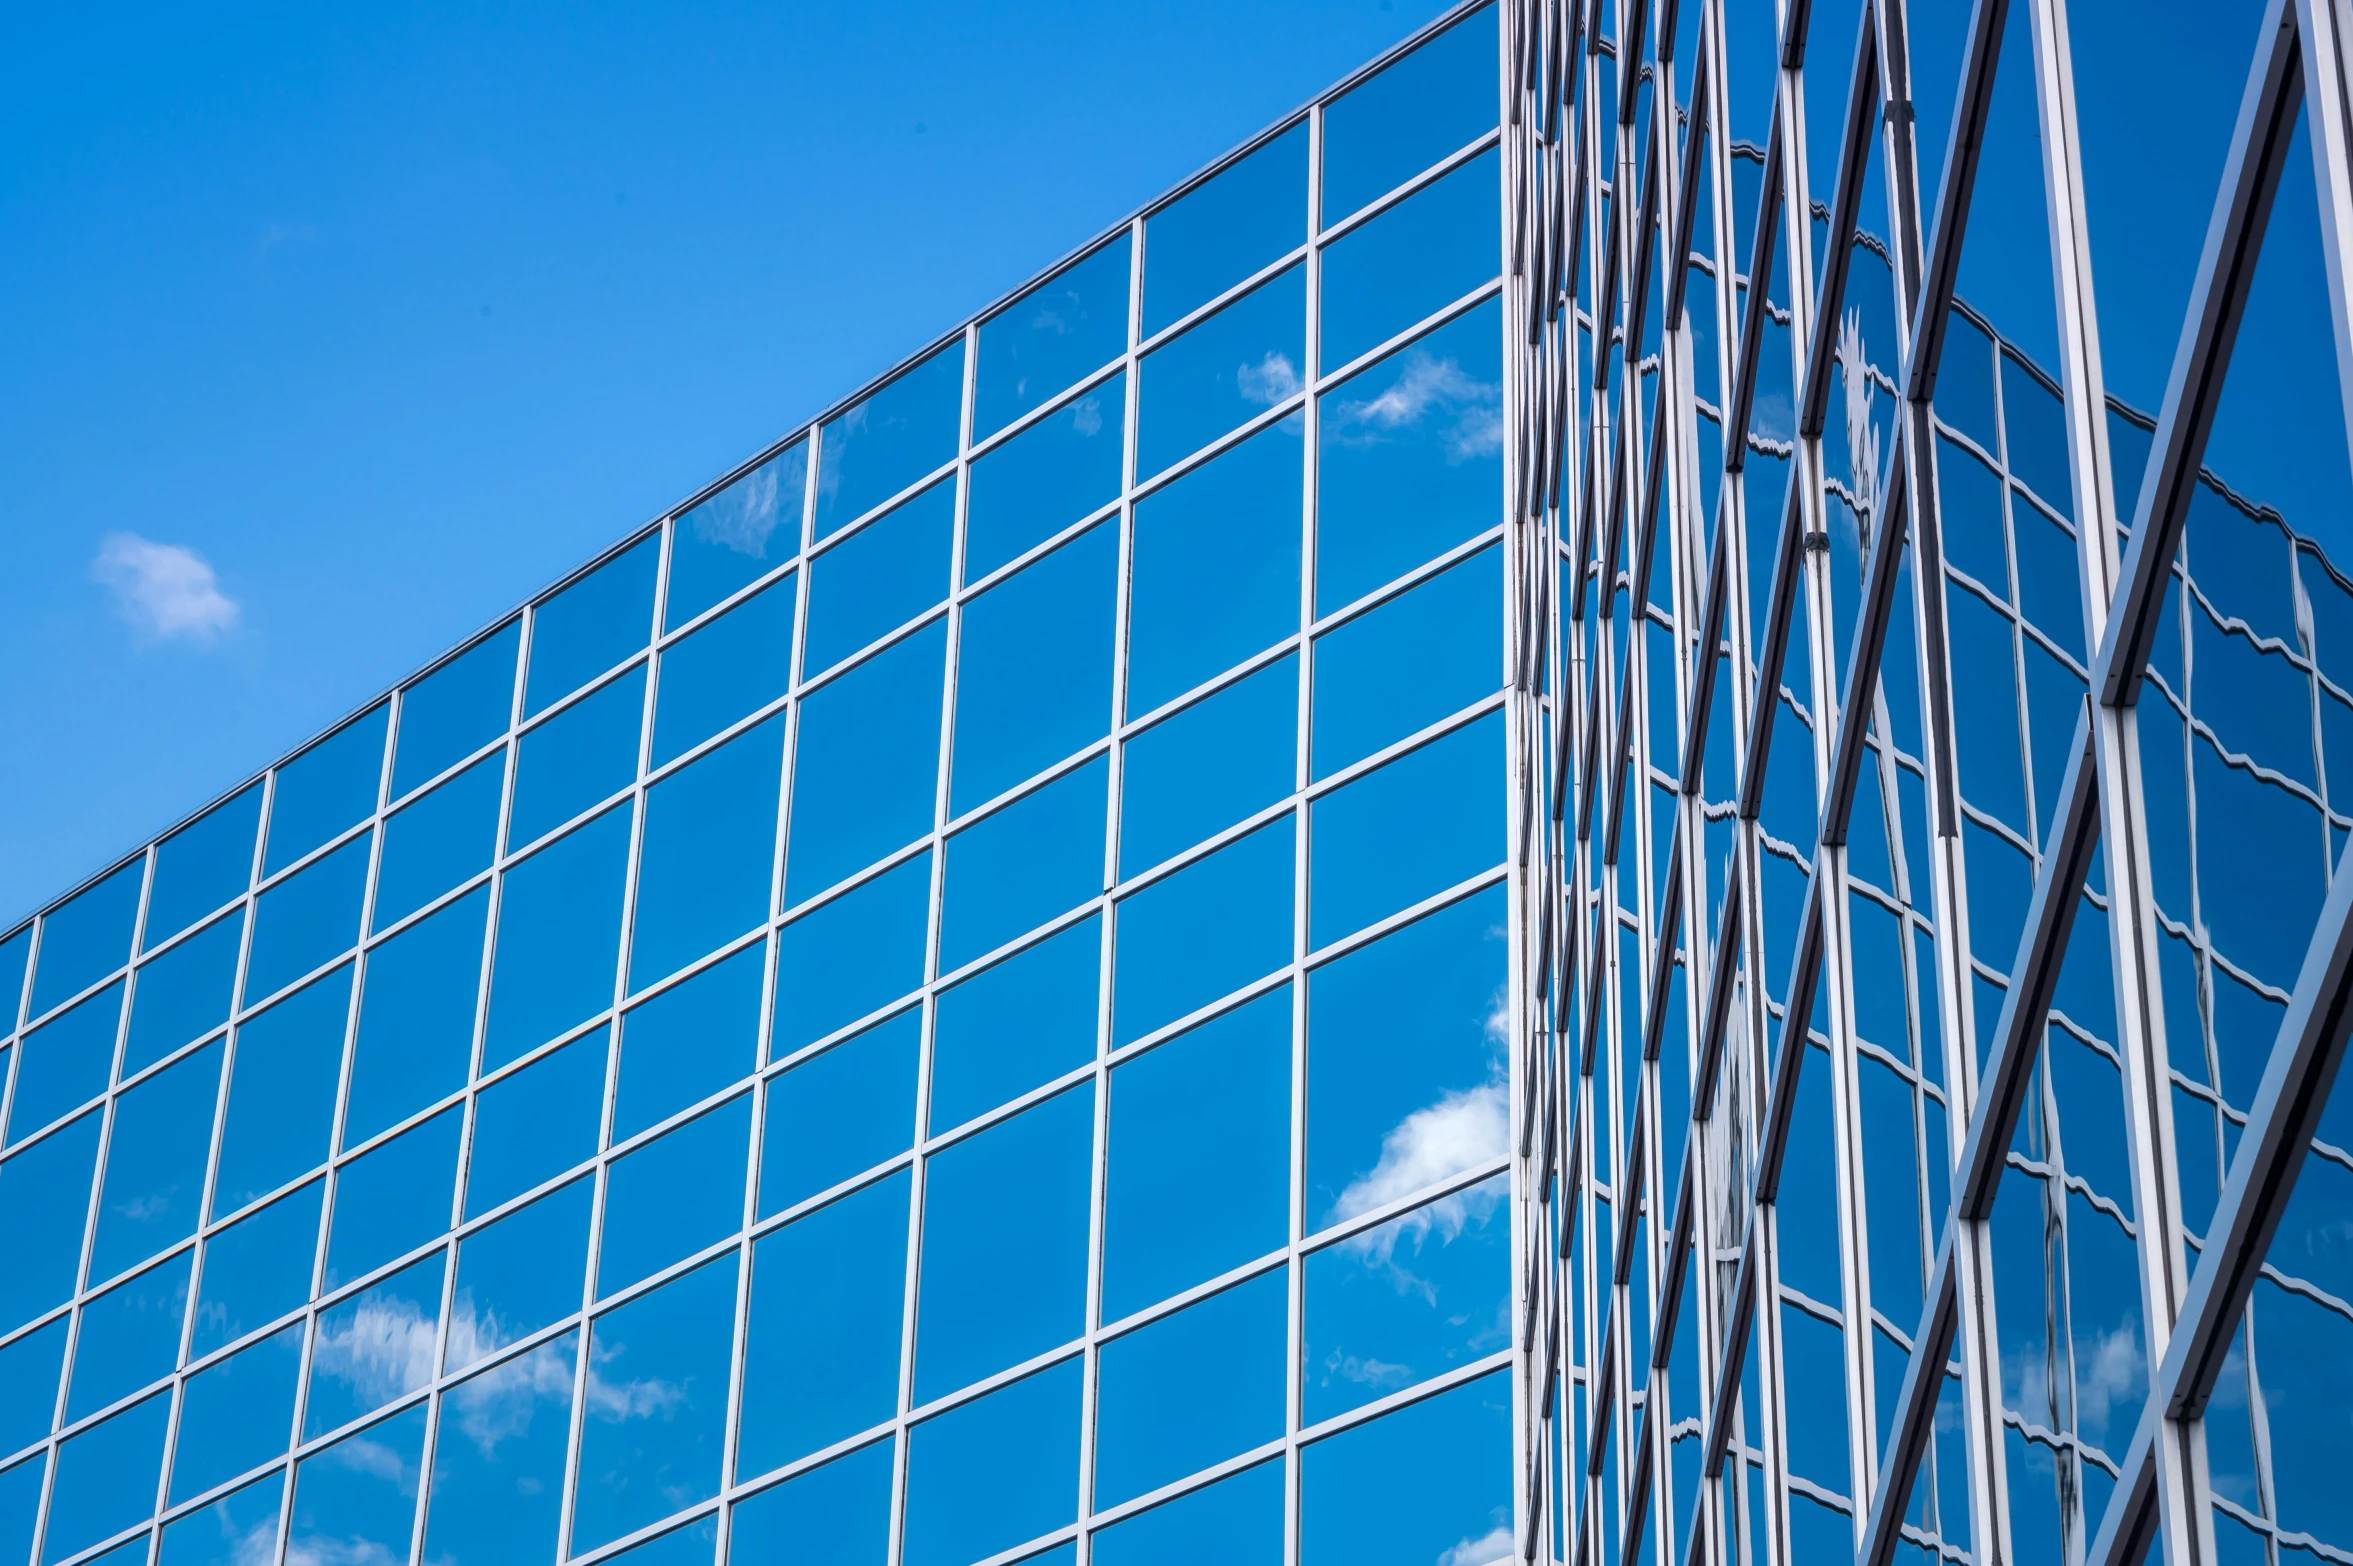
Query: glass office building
x=1171, y=935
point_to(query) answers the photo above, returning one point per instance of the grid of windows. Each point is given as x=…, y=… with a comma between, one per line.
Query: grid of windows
x=942, y=1003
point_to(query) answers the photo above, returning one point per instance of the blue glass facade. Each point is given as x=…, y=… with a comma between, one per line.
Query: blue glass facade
x=1173, y=934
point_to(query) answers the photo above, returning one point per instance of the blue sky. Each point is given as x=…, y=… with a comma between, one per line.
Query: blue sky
x=334, y=331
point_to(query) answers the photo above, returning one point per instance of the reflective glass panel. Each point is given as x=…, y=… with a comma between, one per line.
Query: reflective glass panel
x=1410, y=458
x=724, y=671
x=1420, y=657
x=735, y=537
x=305, y=920
x=1422, y=823
x=840, y=1112
x=86, y=937
x=866, y=763
x=235, y=1530
x=393, y=1198
x=183, y=994
x=327, y=788
x=559, y=936
x=535, y=1124
x=1396, y=1304
x=821, y=1359
x=1033, y=672
x=657, y=1405
x=1015, y=869
x=709, y=855
x=1200, y=1171
x=592, y=624
x=1412, y=260
x=676, y=1194
x=880, y=577
x=584, y=754
x=1191, y=1389
x=237, y=1414
x=416, y=1018
x=1445, y=1467
x=520, y=1274
x=890, y=439
x=357, y=1499
x=1235, y=364
x=1051, y=336
x=839, y=1513
x=155, y=1159
x=1017, y=1025
x=65, y=1062
x=993, y=1294
x=282, y=1092
x=257, y=1269
x=1206, y=930
x=438, y=841
x=130, y=1336
x=498, y=1466
x=30, y=1369
x=689, y=1042
x=44, y=1201
x=202, y=865
x=850, y=957
x=1237, y=1521
x=374, y=1347
x=457, y=709
x=1050, y=475
x=1215, y=575
x=106, y=1478
x=1244, y=217
x=20, y=1503
x=1218, y=762
x=992, y=1472
x=1384, y=131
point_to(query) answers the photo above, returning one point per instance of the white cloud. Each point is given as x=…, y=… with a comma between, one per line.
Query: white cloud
x=497, y=1405
x=1464, y=1129
x=1268, y=381
x=1493, y=1545
x=2113, y=1380
x=1429, y=391
x=381, y=1350
x=741, y=517
x=166, y=590
x=1087, y=417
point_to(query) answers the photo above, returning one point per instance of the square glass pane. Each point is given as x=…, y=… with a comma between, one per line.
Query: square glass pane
x=44, y=1201
x=1243, y=218
x=1237, y=1521
x=237, y=1414
x=671, y=1197
x=1215, y=574
x=65, y=1062
x=1445, y=1466
x=304, y=921
x=183, y=994
x=1217, y=762
x=86, y=937
x=130, y=1336
x=866, y=760
x=724, y=671
x=689, y=1042
x=839, y=1512
x=282, y=1092
x=738, y=535
x=393, y=1198
x=1012, y=871
x=416, y=1017
x=880, y=577
x=1053, y=473
x=1203, y=932
x=840, y=1112
x=1420, y=657
x=994, y=1294
x=1051, y=336
x=850, y=957
x=1191, y=1389
x=201, y=866
x=889, y=440
x=1406, y=1080
x=583, y=755
x=374, y=1347
x=656, y=1414
x=522, y=1273
x=592, y=624
x=106, y=1479
x=154, y=1189
x=709, y=855
x=357, y=1500
x=1418, y=825
x=1033, y=673
x=457, y=709
x=1412, y=260
x=990, y=1473
x=328, y=788
x=257, y=1269
x=436, y=842
x=1382, y=132
x=1016, y=1025
x=30, y=1369
x=821, y=1363
x=1200, y=1171
x=498, y=1467
x=1223, y=371
x=559, y=938
x=535, y=1124
x=1410, y=457
x=234, y=1530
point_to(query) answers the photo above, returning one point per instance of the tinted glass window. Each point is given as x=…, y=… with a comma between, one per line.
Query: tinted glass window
x=87, y=937
x=1382, y=132
x=880, y=577
x=1016, y=1025
x=257, y=1269
x=738, y=535
x=535, y=1124
x=1412, y=260
x=1243, y=218
x=689, y=1042
x=393, y=1198
x=995, y=1471
x=592, y=624
x=203, y=865
x=559, y=936
x=130, y=1336
x=644, y=1457
x=1051, y=336
x=520, y=1274
x=433, y=844
x=457, y=709
x=357, y=1499
x=1418, y=825
x=306, y=919
x=1191, y=1389
x=889, y=440
x=582, y=755
x=183, y=994
x=498, y=1465
x=1210, y=766
x=154, y=1188
x=1014, y=870
x=709, y=855
x=44, y=1201
x=1239, y=362
x=416, y=1018
x=866, y=764
x=1045, y=478
x=1033, y=676
x=327, y=788
x=852, y=956
x=840, y=1112
x=1414, y=660
x=674, y=1195
x=282, y=1092
x=375, y=1346
x=65, y=1062
x=1208, y=929
x=237, y=1414
x=724, y=671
